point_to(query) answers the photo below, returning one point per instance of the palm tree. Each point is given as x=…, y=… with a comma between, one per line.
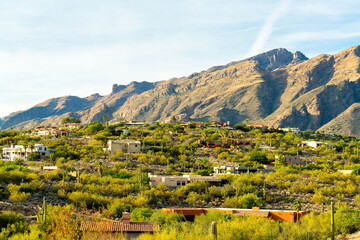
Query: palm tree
x=204, y=135
x=106, y=121
x=199, y=162
x=224, y=134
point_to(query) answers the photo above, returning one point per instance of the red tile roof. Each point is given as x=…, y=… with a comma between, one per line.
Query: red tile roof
x=117, y=226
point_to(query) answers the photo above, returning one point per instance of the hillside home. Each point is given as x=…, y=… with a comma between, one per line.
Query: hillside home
x=134, y=123
x=346, y=172
x=227, y=125
x=315, y=144
x=239, y=170
x=72, y=125
x=19, y=151
x=59, y=133
x=50, y=131
x=293, y=130
x=296, y=160
x=178, y=181
x=110, y=229
x=49, y=168
x=35, y=168
x=282, y=215
x=192, y=125
x=218, y=143
x=261, y=127
x=126, y=146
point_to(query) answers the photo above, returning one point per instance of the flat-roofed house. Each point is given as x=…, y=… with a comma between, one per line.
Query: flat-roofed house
x=19, y=151
x=126, y=146
x=178, y=181
x=315, y=144
x=296, y=160
x=239, y=170
x=282, y=215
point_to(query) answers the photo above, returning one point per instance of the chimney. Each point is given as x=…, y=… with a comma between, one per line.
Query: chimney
x=126, y=218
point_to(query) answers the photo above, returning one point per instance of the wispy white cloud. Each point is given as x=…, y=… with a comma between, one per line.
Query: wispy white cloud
x=266, y=30
x=54, y=48
x=319, y=36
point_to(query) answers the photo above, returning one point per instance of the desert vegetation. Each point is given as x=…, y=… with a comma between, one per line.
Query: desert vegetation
x=91, y=183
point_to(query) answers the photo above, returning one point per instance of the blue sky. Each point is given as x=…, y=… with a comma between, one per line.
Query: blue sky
x=55, y=48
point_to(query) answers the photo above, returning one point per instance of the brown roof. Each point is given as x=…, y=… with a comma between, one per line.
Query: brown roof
x=117, y=226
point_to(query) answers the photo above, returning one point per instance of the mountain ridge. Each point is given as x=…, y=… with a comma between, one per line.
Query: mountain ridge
x=278, y=88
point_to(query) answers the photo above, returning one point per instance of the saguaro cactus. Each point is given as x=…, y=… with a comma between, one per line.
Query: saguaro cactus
x=213, y=230
x=332, y=222
x=44, y=209
x=42, y=213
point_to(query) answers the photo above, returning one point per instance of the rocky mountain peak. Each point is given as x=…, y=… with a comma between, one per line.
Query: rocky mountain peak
x=93, y=97
x=306, y=93
x=278, y=58
x=117, y=88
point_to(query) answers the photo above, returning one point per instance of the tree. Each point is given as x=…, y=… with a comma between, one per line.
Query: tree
x=194, y=198
x=356, y=171
x=70, y=120
x=258, y=156
x=16, y=195
x=297, y=205
x=224, y=134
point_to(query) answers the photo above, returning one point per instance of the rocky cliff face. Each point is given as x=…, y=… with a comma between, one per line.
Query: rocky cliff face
x=278, y=88
x=278, y=58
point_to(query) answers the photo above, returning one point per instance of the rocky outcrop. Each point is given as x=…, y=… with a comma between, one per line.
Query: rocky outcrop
x=278, y=58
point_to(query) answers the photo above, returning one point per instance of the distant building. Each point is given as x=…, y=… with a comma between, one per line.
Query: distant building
x=218, y=143
x=50, y=131
x=19, y=152
x=261, y=127
x=49, y=168
x=192, y=125
x=59, y=133
x=282, y=215
x=262, y=146
x=35, y=168
x=315, y=144
x=227, y=125
x=134, y=123
x=72, y=125
x=126, y=146
x=296, y=160
x=293, y=130
x=346, y=172
x=178, y=181
x=239, y=170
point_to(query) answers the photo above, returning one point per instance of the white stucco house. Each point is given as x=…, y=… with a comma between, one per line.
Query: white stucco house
x=19, y=152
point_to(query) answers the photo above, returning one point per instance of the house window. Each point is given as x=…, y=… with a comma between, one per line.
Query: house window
x=183, y=183
x=135, y=145
x=43, y=154
x=40, y=148
x=45, y=149
x=178, y=183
